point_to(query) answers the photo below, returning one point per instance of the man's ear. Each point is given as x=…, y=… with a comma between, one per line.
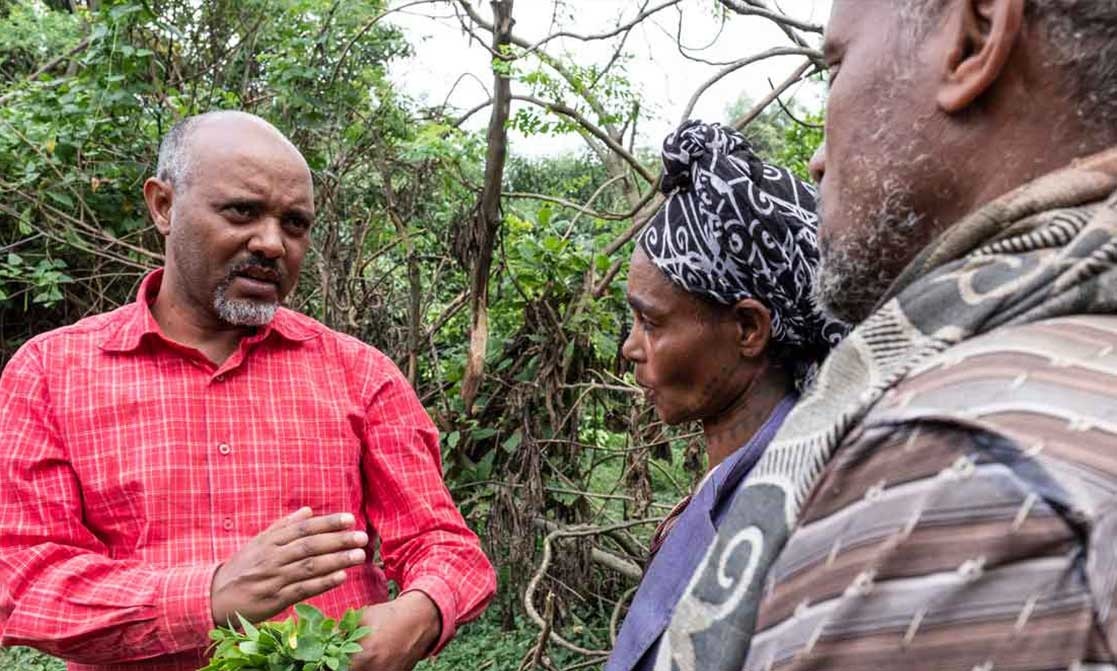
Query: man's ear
x=754, y=327
x=159, y=196
x=982, y=35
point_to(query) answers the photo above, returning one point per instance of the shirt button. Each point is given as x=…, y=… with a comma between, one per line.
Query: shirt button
x=220, y=378
x=228, y=523
x=224, y=449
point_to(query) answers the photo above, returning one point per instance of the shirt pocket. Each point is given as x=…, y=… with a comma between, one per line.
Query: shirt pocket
x=322, y=473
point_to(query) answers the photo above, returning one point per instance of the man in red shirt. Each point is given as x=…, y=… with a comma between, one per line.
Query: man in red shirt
x=203, y=451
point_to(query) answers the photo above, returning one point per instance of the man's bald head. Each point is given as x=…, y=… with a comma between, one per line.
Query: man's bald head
x=178, y=149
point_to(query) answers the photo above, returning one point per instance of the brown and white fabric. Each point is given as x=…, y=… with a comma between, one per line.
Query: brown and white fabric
x=945, y=497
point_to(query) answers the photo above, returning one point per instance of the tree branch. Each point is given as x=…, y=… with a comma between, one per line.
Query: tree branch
x=737, y=65
x=747, y=8
x=581, y=120
x=757, y=109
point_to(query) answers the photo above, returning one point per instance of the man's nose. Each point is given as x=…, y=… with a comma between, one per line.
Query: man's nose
x=267, y=239
x=817, y=166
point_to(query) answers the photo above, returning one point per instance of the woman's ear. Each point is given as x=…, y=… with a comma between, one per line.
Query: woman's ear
x=983, y=34
x=754, y=327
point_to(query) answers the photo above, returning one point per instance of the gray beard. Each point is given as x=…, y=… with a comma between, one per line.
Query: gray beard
x=856, y=270
x=241, y=311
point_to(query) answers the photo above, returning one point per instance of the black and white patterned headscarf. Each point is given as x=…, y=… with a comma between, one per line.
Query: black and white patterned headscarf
x=735, y=227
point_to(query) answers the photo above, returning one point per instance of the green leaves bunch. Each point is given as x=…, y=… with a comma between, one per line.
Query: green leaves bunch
x=310, y=642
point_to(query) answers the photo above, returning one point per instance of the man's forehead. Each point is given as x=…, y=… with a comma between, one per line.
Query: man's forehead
x=245, y=157
x=847, y=16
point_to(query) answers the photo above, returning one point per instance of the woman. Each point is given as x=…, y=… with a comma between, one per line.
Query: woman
x=725, y=332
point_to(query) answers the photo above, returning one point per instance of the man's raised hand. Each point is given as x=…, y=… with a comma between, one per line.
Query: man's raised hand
x=298, y=557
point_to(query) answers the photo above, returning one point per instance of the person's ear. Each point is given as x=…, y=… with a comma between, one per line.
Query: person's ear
x=754, y=327
x=159, y=196
x=982, y=35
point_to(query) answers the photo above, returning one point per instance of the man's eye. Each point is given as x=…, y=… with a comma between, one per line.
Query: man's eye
x=241, y=210
x=300, y=224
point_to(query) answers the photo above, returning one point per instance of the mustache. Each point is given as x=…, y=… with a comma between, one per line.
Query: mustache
x=257, y=267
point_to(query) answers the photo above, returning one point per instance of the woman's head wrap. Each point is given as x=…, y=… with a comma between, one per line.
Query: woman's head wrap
x=735, y=227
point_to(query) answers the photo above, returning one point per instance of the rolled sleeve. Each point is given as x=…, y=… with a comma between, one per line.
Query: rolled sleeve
x=443, y=597
x=187, y=616
x=425, y=543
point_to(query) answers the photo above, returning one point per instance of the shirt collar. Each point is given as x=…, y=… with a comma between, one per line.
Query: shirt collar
x=138, y=322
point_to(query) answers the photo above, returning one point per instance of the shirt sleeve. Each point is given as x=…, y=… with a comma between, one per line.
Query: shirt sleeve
x=59, y=591
x=930, y=546
x=425, y=543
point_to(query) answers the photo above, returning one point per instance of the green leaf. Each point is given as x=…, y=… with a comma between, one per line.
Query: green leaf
x=352, y=617
x=249, y=629
x=513, y=442
x=311, y=615
x=309, y=651
x=483, y=433
x=61, y=198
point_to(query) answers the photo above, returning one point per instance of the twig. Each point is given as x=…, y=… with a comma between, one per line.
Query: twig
x=589, y=126
x=758, y=108
x=737, y=65
x=47, y=67
x=545, y=562
x=753, y=9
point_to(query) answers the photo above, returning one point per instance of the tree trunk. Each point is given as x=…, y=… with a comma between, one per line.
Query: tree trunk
x=488, y=213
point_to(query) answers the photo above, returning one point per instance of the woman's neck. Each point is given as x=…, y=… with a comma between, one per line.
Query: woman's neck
x=734, y=426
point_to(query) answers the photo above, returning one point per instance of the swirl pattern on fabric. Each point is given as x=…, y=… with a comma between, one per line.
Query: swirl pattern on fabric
x=734, y=227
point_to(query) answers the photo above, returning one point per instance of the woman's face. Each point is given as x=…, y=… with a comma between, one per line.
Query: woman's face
x=686, y=351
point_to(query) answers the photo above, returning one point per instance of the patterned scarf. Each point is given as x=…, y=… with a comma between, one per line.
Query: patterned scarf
x=1046, y=250
x=734, y=227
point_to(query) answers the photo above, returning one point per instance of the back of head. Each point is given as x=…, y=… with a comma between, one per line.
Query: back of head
x=938, y=107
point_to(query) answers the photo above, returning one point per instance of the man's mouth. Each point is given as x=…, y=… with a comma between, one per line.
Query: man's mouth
x=261, y=275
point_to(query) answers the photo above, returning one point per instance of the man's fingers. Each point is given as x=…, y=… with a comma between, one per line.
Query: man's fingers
x=301, y=591
x=312, y=526
x=322, y=544
x=299, y=515
x=320, y=565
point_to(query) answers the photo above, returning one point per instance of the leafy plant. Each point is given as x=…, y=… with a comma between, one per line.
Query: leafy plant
x=310, y=642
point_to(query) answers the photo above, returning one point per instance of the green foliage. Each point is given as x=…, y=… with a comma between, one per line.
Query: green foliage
x=28, y=659
x=310, y=642
x=787, y=136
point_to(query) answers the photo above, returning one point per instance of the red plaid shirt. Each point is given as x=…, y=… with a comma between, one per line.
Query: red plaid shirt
x=132, y=466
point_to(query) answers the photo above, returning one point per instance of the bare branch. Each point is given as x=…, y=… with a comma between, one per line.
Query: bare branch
x=758, y=108
x=737, y=65
x=622, y=28
x=752, y=8
x=581, y=120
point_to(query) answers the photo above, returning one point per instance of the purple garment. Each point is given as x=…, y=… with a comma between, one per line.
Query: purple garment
x=672, y=567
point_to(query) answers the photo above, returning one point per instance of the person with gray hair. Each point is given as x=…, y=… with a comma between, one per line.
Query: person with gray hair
x=945, y=496
x=204, y=453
